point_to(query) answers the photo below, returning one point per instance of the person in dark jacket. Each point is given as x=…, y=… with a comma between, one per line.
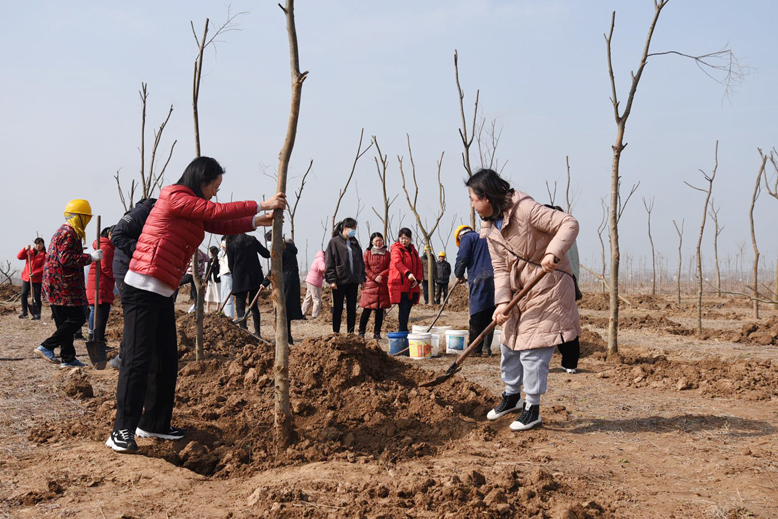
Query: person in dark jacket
x=63, y=283
x=345, y=271
x=443, y=269
x=473, y=257
x=98, y=319
x=213, y=281
x=124, y=237
x=34, y=257
x=243, y=253
x=375, y=294
x=425, y=285
x=291, y=275
x=404, y=275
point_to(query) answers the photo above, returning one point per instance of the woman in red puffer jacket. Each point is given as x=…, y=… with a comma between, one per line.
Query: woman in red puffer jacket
x=375, y=294
x=405, y=271
x=174, y=229
x=107, y=283
x=34, y=259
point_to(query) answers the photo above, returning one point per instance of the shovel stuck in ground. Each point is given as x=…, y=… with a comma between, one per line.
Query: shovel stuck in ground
x=95, y=346
x=456, y=366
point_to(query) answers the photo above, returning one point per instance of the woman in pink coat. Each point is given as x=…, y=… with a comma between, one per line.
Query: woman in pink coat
x=524, y=238
x=313, y=284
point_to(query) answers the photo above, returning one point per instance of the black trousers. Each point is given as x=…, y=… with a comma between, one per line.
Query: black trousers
x=349, y=293
x=188, y=279
x=35, y=308
x=68, y=320
x=99, y=320
x=379, y=320
x=146, y=390
x=426, y=289
x=240, y=308
x=441, y=293
x=478, y=323
x=570, y=351
x=404, y=311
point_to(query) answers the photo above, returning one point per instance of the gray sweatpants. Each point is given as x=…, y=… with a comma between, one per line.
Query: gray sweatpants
x=528, y=368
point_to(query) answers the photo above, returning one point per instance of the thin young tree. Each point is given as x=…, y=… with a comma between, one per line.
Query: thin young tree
x=292, y=207
x=600, y=229
x=342, y=192
x=381, y=162
x=757, y=190
x=722, y=62
x=467, y=140
x=426, y=231
x=649, y=205
x=772, y=190
x=283, y=411
x=714, y=215
x=488, y=140
x=709, y=180
x=680, y=257
x=568, y=200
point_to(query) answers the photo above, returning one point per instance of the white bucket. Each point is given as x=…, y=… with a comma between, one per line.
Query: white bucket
x=456, y=341
x=420, y=329
x=420, y=345
x=496, y=338
x=439, y=340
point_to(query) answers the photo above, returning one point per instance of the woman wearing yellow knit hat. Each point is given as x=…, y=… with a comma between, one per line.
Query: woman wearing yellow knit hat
x=63, y=283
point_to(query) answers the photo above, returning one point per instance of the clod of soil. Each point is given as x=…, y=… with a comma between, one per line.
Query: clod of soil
x=77, y=385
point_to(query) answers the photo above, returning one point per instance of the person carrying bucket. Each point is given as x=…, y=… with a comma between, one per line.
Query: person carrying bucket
x=473, y=258
x=525, y=237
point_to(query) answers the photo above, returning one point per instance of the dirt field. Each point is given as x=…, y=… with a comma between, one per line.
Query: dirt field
x=685, y=426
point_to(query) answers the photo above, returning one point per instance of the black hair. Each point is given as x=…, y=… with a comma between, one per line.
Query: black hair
x=346, y=222
x=405, y=232
x=39, y=240
x=373, y=237
x=488, y=183
x=106, y=231
x=214, y=250
x=200, y=172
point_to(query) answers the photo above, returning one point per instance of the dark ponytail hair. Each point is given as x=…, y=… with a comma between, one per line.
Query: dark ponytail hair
x=488, y=183
x=346, y=222
x=373, y=237
x=405, y=232
x=200, y=172
x=106, y=231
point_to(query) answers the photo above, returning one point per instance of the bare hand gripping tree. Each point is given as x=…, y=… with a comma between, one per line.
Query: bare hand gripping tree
x=427, y=233
x=709, y=180
x=150, y=181
x=283, y=412
x=723, y=63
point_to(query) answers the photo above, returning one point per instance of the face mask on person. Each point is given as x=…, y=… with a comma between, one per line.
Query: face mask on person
x=352, y=233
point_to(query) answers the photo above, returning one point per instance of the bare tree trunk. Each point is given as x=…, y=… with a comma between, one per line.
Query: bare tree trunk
x=467, y=141
x=714, y=214
x=568, y=202
x=292, y=208
x=753, y=234
x=350, y=176
x=650, y=207
x=283, y=411
x=381, y=168
x=680, y=257
x=707, y=192
x=600, y=230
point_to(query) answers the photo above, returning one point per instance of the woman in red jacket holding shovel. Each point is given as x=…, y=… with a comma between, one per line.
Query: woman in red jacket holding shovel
x=34, y=258
x=174, y=229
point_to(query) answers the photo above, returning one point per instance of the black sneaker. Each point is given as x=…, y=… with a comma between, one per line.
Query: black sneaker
x=172, y=434
x=508, y=404
x=22, y=316
x=122, y=441
x=36, y=318
x=530, y=417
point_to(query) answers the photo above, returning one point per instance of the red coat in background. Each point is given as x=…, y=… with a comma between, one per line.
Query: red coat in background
x=38, y=258
x=176, y=227
x=63, y=272
x=404, y=261
x=375, y=294
x=106, y=274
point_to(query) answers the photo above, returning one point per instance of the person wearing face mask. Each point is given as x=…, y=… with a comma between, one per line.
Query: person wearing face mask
x=375, y=295
x=405, y=271
x=63, y=283
x=145, y=392
x=344, y=271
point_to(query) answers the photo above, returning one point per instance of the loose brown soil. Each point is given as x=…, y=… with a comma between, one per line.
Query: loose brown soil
x=665, y=433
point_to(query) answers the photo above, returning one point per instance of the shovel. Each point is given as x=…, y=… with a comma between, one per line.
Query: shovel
x=456, y=366
x=96, y=346
x=443, y=305
x=253, y=301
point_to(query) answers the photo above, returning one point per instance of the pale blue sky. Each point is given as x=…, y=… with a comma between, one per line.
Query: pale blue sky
x=71, y=111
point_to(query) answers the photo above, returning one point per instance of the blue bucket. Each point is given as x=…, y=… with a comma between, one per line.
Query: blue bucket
x=398, y=341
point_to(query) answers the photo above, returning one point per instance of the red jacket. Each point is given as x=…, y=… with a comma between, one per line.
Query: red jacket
x=106, y=274
x=38, y=259
x=63, y=272
x=176, y=227
x=404, y=262
x=375, y=294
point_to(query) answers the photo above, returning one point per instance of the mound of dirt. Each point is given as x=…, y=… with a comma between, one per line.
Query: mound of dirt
x=751, y=380
x=77, y=385
x=220, y=335
x=592, y=345
x=8, y=291
x=594, y=301
x=459, y=300
x=640, y=322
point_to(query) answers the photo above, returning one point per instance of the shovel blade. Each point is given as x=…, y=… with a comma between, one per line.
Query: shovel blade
x=96, y=351
x=442, y=378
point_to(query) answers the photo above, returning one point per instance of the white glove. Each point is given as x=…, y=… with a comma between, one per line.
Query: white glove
x=97, y=255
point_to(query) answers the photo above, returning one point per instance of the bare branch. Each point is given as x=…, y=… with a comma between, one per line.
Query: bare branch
x=348, y=181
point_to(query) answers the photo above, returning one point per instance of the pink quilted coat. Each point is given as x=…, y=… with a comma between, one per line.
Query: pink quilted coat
x=316, y=274
x=548, y=315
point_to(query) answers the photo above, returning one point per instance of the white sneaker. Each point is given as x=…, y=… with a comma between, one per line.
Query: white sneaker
x=570, y=371
x=508, y=404
x=530, y=417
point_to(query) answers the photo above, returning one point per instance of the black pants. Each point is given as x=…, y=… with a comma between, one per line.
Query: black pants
x=240, y=308
x=349, y=293
x=570, y=351
x=68, y=320
x=188, y=279
x=379, y=320
x=441, y=293
x=426, y=289
x=404, y=311
x=146, y=390
x=478, y=323
x=99, y=320
x=35, y=308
